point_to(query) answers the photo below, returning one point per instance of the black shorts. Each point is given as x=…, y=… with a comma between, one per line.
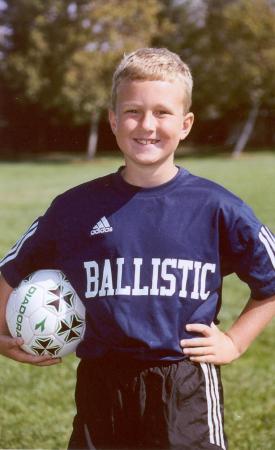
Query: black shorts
x=172, y=406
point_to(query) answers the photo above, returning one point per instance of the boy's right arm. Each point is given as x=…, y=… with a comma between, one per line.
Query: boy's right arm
x=9, y=346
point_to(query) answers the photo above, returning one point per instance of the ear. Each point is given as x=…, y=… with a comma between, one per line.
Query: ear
x=188, y=121
x=112, y=120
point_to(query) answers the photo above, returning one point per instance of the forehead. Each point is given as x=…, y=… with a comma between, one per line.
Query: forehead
x=150, y=92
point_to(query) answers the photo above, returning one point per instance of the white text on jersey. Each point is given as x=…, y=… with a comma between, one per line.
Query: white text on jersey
x=106, y=278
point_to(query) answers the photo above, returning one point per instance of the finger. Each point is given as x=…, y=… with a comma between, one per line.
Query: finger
x=16, y=350
x=24, y=357
x=195, y=342
x=199, y=328
x=199, y=351
x=17, y=342
x=11, y=342
x=50, y=362
x=46, y=361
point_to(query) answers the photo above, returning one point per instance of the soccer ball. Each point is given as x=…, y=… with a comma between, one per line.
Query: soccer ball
x=47, y=313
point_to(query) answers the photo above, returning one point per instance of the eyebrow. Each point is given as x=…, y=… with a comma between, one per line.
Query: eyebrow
x=131, y=103
x=135, y=104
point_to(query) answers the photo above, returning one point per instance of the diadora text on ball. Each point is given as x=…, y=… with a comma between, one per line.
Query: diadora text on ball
x=22, y=309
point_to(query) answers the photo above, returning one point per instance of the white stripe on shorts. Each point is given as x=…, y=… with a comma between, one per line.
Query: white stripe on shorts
x=88, y=438
x=214, y=417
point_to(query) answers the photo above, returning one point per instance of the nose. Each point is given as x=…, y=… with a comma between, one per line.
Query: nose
x=148, y=121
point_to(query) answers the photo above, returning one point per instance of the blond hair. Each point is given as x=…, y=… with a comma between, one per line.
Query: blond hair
x=153, y=64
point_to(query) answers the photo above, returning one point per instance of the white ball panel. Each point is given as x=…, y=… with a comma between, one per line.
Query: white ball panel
x=43, y=322
x=47, y=312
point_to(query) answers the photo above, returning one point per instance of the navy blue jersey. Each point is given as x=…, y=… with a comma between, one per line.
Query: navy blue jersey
x=147, y=261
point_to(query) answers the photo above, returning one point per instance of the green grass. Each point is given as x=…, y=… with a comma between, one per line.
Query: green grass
x=37, y=404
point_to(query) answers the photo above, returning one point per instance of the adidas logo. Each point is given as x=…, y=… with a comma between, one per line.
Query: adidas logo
x=102, y=226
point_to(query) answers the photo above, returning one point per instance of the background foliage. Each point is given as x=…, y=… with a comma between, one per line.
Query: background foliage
x=57, y=59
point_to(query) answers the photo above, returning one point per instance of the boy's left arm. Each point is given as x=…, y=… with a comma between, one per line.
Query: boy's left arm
x=219, y=347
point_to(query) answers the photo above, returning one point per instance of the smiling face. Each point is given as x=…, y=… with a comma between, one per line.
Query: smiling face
x=149, y=121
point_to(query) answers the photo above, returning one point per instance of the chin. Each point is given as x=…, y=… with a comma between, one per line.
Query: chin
x=147, y=161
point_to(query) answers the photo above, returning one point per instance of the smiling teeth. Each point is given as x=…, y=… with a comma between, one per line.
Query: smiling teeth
x=147, y=141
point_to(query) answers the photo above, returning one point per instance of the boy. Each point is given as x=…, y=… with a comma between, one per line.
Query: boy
x=146, y=249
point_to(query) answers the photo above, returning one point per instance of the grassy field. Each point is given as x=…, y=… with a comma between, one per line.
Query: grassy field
x=37, y=404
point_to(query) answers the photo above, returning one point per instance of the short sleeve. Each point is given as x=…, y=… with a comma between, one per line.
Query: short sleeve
x=248, y=249
x=36, y=249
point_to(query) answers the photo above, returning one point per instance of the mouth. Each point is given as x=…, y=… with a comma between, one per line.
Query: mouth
x=147, y=141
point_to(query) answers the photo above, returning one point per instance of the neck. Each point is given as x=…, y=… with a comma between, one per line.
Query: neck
x=148, y=177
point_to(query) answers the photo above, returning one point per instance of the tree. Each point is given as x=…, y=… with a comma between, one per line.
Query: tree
x=230, y=47
x=61, y=54
x=254, y=62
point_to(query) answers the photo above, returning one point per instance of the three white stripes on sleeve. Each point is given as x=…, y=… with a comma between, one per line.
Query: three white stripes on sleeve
x=268, y=240
x=19, y=244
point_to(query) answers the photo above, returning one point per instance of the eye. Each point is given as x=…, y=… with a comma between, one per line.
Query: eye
x=131, y=111
x=161, y=113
